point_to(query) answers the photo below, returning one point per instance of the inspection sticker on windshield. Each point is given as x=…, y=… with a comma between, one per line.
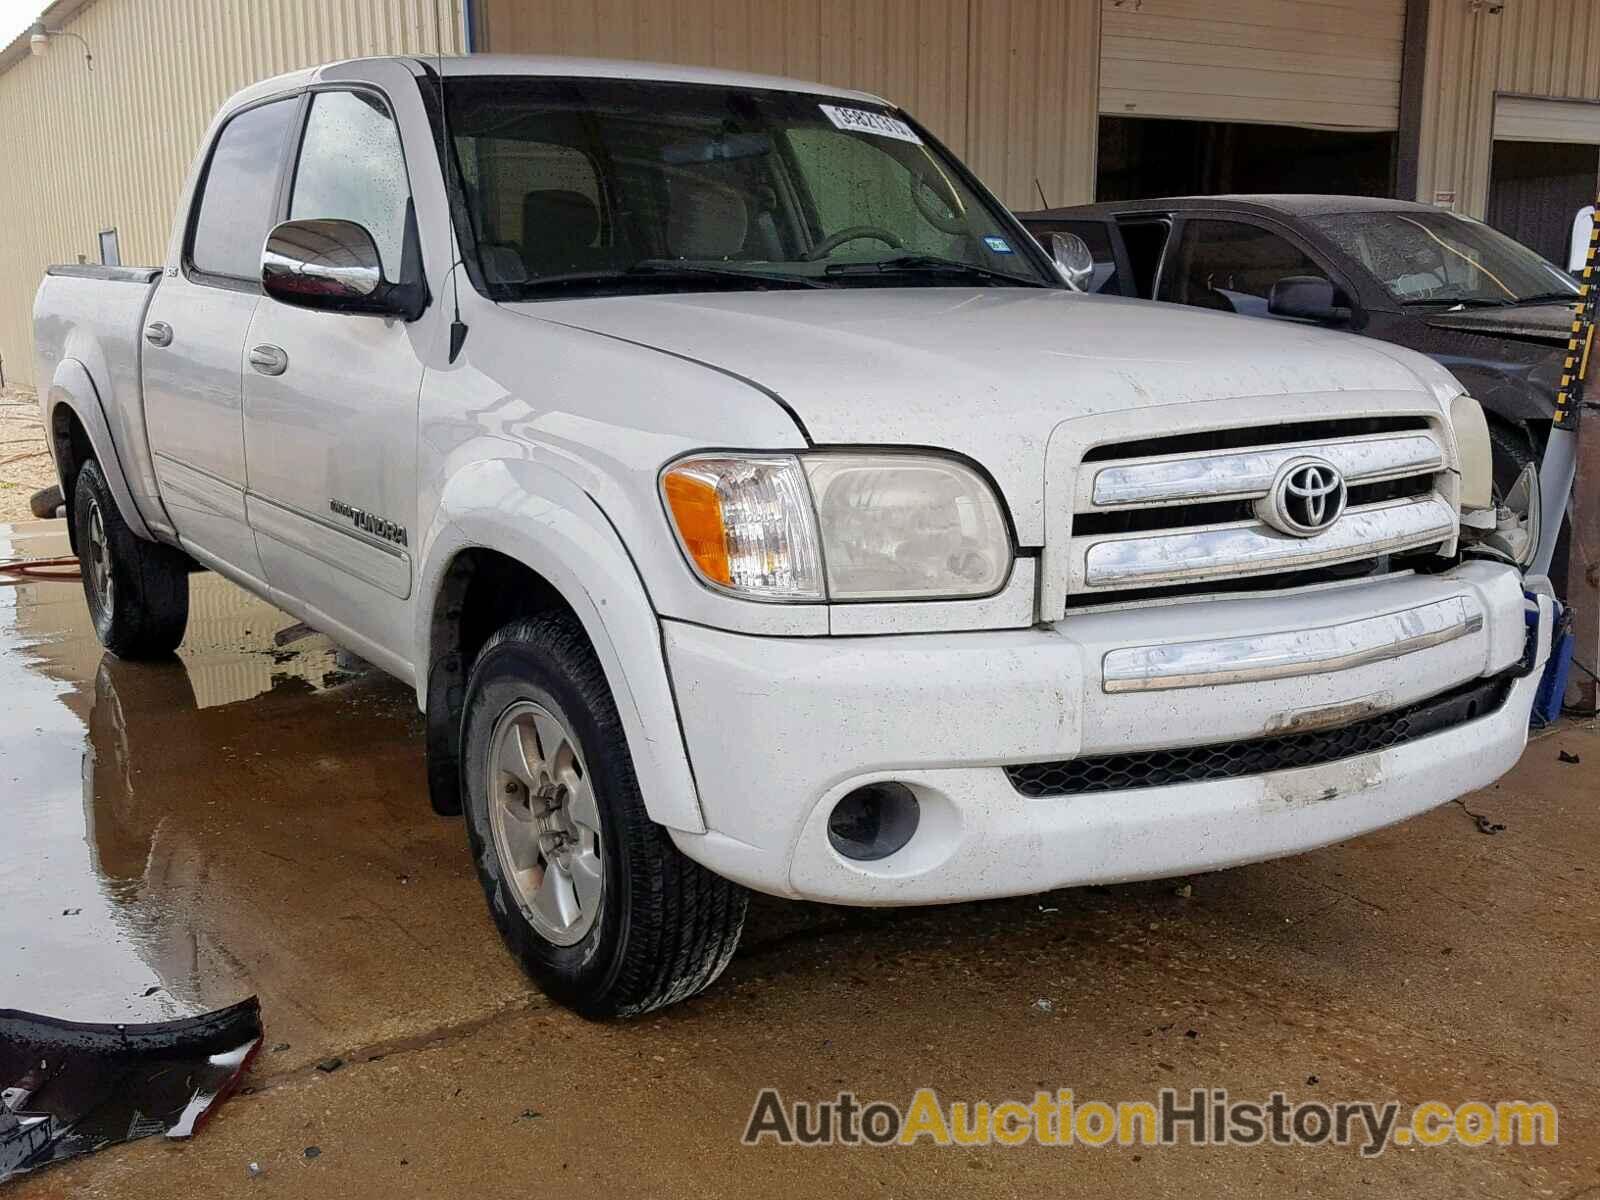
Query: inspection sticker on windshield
x=998, y=244
x=861, y=120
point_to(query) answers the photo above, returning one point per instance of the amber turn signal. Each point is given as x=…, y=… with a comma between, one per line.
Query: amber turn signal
x=697, y=512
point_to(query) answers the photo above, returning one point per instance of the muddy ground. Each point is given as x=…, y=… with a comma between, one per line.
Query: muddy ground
x=252, y=819
x=25, y=463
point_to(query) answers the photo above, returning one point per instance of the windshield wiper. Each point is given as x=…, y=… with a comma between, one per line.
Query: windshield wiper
x=929, y=264
x=666, y=268
x=1463, y=301
x=668, y=271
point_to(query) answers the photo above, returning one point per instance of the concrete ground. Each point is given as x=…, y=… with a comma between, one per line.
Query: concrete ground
x=252, y=818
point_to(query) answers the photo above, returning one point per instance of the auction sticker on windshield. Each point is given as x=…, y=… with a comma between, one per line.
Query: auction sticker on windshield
x=862, y=120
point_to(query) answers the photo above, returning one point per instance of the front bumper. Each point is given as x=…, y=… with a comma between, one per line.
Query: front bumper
x=779, y=729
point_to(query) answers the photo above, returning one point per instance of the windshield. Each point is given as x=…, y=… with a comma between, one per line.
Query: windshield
x=601, y=186
x=1441, y=258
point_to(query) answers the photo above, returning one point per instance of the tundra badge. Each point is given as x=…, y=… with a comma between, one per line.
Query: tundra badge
x=369, y=523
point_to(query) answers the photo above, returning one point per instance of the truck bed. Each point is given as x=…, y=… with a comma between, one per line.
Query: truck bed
x=91, y=317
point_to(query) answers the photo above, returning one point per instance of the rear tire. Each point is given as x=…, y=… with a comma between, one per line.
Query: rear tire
x=137, y=591
x=603, y=911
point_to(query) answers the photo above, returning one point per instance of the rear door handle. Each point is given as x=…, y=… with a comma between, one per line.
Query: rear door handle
x=269, y=360
x=158, y=333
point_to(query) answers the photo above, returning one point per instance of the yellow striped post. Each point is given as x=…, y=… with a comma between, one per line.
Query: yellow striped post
x=1583, y=557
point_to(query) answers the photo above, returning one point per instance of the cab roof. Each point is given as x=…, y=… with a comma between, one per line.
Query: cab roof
x=548, y=67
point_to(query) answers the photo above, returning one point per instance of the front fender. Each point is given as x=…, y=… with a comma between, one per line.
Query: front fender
x=72, y=387
x=544, y=521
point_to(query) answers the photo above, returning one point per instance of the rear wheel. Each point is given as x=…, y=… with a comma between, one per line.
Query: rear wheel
x=137, y=591
x=605, y=913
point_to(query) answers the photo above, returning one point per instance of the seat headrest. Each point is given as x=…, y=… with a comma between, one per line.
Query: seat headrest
x=557, y=226
x=707, y=222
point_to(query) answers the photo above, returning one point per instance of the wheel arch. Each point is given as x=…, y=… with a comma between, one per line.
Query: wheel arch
x=76, y=425
x=513, y=538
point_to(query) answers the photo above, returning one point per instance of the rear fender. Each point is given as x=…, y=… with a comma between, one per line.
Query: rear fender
x=73, y=388
x=541, y=519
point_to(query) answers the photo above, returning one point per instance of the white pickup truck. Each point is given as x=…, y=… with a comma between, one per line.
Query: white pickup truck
x=753, y=504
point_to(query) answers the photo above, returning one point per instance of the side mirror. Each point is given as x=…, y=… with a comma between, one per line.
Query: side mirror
x=333, y=266
x=1308, y=298
x=1073, y=259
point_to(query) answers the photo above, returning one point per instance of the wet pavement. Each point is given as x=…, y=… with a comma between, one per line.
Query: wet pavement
x=252, y=818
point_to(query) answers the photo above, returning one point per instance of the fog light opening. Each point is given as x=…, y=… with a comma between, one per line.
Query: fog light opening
x=873, y=822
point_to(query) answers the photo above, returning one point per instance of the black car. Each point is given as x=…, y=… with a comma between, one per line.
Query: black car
x=1486, y=307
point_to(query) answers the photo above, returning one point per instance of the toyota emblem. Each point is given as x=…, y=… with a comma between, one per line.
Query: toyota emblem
x=1307, y=497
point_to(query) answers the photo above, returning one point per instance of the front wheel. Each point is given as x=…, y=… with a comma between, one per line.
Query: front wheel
x=605, y=913
x=137, y=591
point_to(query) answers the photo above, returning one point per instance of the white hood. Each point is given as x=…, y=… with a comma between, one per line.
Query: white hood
x=988, y=372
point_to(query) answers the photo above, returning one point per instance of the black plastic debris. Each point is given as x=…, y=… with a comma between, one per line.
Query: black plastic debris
x=71, y=1088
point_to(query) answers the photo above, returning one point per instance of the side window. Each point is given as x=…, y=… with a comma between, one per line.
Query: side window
x=352, y=169
x=1097, y=236
x=1231, y=266
x=234, y=211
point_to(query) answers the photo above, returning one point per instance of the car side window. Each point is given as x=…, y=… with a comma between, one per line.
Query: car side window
x=352, y=168
x=1231, y=266
x=234, y=212
x=1097, y=236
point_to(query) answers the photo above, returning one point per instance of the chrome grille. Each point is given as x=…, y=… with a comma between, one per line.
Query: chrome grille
x=1148, y=516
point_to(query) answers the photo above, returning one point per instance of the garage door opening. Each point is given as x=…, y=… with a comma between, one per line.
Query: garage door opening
x=1142, y=157
x=1536, y=188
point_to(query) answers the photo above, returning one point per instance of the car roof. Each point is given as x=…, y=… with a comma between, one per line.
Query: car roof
x=1262, y=204
x=551, y=66
x=559, y=66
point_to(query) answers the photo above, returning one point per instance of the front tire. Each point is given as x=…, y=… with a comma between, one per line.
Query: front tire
x=602, y=910
x=137, y=591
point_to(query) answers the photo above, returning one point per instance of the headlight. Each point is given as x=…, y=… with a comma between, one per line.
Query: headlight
x=1472, y=447
x=902, y=527
x=746, y=525
x=887, y=526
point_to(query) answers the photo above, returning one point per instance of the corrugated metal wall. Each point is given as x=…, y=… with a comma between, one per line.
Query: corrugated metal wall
x=1329, y=63
x=1547, y=48
x=89, y=150
x=1009, y=85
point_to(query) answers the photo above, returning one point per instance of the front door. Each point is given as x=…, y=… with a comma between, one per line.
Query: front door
x=331, y=401
x=1231, y=266
x=195, y=332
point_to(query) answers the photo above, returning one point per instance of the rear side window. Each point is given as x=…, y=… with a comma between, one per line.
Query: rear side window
x=1231, y=266
x=235, y=208
x=352, y=169
x=1097, y=236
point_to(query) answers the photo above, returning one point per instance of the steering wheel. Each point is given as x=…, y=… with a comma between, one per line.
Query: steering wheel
x=834, y=240
x=929, y=201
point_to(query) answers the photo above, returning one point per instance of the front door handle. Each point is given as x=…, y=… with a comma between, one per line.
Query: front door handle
x=158, y=333
x=269, y=360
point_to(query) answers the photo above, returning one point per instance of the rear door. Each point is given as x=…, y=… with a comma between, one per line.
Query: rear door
x=194, y=337
x=331, y=398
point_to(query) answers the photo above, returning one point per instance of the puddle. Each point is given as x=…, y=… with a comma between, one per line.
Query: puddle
x=169, y=836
